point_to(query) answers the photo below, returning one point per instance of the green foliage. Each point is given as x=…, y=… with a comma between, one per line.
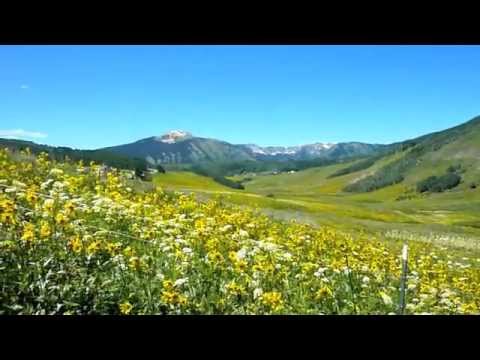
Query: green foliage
x=227, y=182
x=390, y=174
x=107, y=158
x=208, y=169
x=455, y=169
x=439, y=183
x=64, y=153
x=361, y=165
x=452, y=169
x=219, y=170
x=246, y=179
x=395, y=172
x=223, y=169
x=306, y=164
x=140, y=171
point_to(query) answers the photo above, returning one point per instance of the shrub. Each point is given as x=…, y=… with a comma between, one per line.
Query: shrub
x=140, y=171
x=361, y=165
x=388, y=175
x=454, y=168
x=439, y=183
x=227, y=182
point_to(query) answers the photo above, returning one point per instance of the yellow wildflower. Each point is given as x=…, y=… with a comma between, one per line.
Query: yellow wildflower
x=215, y=256
x=235, y=289
x=125, y=308
x=112, y=248
x=69, y=208
x=323, y=293
x=28, y=233
x=167, y=284
x=31, y=197
x=60, y=219
x=7, y=218
x=134, y=263
x=273, y=300
x=93, y=247
x=173, y=298
x=45, y=230
x=48, y=205
x=469, y=308
x=76, y=244
x=128, y=251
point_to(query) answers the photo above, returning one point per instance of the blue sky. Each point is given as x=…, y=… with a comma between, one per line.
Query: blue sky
x=94, y=96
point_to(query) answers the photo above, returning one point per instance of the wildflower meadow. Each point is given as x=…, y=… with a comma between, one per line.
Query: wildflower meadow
x=76, y=240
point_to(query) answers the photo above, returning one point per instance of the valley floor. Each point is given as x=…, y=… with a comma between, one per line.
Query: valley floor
x=451, y=218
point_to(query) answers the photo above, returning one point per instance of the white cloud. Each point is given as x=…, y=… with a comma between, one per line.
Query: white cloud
x=21, y=134
x=24, y=87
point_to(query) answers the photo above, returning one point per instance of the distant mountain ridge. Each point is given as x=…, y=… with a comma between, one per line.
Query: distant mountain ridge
x=173, y=149
x=285, y=150
x=181, y=147
x=314, y=151
x=409, y=162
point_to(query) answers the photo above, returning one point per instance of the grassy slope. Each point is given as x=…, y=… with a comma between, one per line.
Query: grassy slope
x=310, y=196
x=187, y=181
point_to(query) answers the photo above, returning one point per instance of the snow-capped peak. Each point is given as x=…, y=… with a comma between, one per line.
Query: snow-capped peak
x=289, y=150
x=256, y=149
x=174, y=136
x=324, y=145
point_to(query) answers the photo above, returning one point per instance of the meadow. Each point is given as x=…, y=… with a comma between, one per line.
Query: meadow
x=313, y=197
x=75, y=240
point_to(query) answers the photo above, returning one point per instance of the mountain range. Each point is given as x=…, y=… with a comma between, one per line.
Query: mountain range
x=452, y=151
x=181, y=147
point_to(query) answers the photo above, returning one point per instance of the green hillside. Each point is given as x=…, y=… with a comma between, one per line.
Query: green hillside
x=430, y=155
x=318, y=195
x=187, y=181
x=61, y=153
x=450, y=218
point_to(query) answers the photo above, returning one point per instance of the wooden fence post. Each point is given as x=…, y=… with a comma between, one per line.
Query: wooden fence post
x=403, y=283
